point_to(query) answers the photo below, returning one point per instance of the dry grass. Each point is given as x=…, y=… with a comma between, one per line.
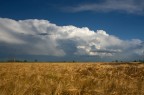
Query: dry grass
x=71, y=79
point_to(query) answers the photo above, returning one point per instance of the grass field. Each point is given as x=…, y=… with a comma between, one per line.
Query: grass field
x=71, y=79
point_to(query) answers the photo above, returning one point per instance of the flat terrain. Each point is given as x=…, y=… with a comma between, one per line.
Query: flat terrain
x=71, y=79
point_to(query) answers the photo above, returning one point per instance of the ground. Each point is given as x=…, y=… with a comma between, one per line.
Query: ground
x=71, y=78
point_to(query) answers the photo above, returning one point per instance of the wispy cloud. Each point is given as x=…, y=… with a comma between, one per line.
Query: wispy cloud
x=125, y=6
x=40, y=37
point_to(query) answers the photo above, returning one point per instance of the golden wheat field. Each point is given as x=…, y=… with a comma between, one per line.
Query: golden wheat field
x=71, y=79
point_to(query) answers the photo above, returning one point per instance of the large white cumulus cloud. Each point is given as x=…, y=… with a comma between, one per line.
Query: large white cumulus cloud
x=40, y=37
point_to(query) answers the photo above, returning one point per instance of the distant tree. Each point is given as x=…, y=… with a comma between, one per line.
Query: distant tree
x=36, y=60
x=25, y=60
x=135, y=61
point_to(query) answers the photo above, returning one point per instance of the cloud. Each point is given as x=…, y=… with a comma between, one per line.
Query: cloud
x=40, y=37
x=125, y=6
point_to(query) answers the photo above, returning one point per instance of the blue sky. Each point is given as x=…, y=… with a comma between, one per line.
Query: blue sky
x=123, y=19
x=124, y=25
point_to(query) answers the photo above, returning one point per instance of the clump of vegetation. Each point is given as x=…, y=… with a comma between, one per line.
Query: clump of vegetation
x=71, y=79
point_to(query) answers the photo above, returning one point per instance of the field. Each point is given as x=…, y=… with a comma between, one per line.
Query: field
x=71, y=79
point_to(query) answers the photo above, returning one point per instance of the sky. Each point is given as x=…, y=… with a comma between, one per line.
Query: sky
x=67, y=30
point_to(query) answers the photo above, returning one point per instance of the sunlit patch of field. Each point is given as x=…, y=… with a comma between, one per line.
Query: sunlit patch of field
x=71, y=79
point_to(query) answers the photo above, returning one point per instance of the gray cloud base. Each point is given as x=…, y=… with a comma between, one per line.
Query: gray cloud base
x=40, y=37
